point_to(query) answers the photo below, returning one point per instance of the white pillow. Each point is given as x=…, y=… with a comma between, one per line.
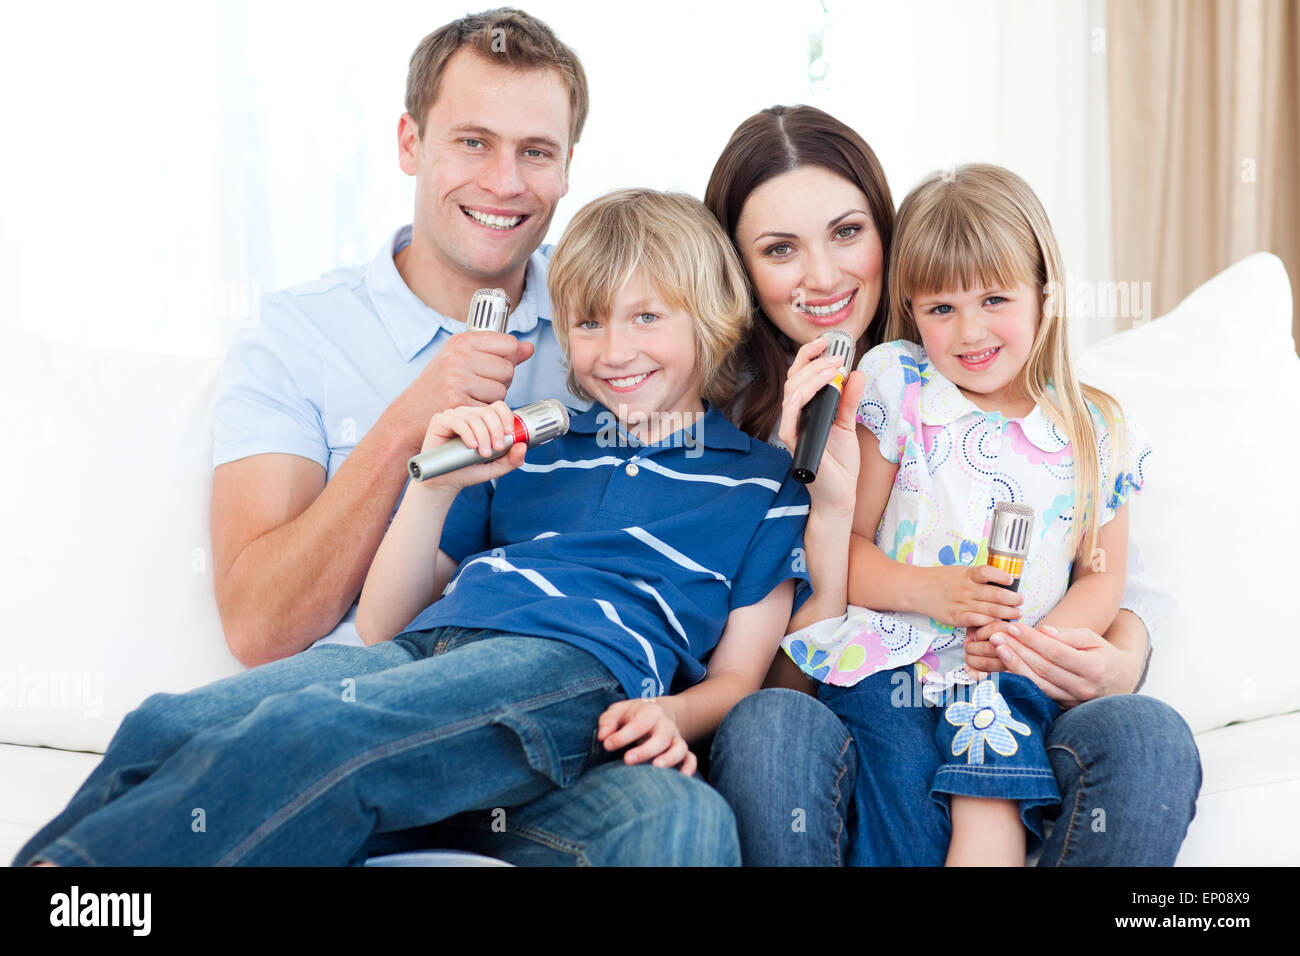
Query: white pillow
x=1216, y=385
x=107, y=564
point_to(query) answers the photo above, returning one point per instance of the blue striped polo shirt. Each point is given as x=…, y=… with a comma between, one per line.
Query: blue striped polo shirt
x=635, y=553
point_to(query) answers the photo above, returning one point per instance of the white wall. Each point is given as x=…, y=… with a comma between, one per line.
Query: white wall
x=165, y=163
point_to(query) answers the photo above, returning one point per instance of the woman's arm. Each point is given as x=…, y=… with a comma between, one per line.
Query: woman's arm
x=1067, y=658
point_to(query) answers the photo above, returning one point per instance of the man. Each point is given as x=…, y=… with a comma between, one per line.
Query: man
x=323, y=402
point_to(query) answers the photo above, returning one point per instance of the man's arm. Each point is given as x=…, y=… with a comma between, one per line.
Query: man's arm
x=290, y=551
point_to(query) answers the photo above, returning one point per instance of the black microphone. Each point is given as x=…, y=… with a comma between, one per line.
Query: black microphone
x=817, y=417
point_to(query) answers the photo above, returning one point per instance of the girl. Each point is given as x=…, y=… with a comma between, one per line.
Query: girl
x=972, y=402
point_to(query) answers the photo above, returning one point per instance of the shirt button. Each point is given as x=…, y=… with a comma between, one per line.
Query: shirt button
x=632, y=469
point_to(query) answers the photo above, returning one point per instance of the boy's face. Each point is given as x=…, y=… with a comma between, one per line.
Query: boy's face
x=639, y=362
x=492, y=165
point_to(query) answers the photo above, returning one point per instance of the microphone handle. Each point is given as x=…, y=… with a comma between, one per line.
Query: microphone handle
x=454, y=454
x=814, y=428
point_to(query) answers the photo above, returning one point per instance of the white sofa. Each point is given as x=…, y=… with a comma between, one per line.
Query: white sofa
x=106, y=570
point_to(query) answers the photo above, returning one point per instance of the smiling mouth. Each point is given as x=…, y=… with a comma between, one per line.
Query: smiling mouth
x=976, y=359
x=822, y=311
x=628, y=383
x=499, y=223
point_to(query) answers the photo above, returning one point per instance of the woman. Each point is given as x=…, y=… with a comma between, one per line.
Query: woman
x=806, y=204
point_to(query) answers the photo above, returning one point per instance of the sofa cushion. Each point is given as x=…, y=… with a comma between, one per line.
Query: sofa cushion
x=107, y=564
x=1216, y=385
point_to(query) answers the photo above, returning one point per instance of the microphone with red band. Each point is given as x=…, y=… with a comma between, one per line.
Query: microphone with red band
x=534, y=424
x=818, y=415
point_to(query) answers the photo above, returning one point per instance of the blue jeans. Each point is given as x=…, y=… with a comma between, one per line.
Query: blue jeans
x=914, y=756
x=1126, y=765
x=340, y=752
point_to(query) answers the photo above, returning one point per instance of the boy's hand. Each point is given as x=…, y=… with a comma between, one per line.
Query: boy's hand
x=479, y=426
x=648, y=723
x=964, y=596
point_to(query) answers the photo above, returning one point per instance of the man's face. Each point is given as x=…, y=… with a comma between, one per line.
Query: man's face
x=492, y=165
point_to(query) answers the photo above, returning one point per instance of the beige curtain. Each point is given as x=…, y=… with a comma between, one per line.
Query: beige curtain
x=1204, y=139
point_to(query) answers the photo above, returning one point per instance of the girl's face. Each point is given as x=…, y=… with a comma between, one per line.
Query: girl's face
x=979, y=339
x=812, y=252
x=639, y=361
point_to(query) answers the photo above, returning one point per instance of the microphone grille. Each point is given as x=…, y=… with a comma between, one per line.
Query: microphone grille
x=1012, y=524
x=488, y=310
x=840, y=345
x=544, y=420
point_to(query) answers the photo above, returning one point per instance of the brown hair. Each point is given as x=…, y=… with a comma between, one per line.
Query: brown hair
x=775, y=141
x=504, y=35
x=981, y=226
x=682, y=250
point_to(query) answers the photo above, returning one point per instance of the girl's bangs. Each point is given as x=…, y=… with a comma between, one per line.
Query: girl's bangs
x=951, y=250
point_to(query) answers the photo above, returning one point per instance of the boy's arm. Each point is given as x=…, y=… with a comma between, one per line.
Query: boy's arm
x=737, y=666
x=402, y=581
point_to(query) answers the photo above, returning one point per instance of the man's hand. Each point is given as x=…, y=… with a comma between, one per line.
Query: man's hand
x=471, y=368
x=651, y=725
x=1069, y=664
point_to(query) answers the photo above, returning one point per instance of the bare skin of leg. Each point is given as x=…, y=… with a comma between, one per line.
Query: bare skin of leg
x=986, y=832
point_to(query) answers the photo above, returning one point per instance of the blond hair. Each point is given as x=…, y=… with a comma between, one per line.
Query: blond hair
x=504, y=35
x=981, y=226
x=683, y=250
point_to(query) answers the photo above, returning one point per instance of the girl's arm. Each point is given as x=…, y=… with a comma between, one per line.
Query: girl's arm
x=1097, y=587
x=960, y=596
x=666, y=727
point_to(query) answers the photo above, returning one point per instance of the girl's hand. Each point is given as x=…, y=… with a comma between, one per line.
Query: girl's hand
x=1069, y=664
x=478, y=426
x=835, y=490
x=965, y=596
x=648, y=723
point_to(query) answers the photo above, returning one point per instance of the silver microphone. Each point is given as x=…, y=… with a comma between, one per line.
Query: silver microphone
x=535, y=424
x=489, y=310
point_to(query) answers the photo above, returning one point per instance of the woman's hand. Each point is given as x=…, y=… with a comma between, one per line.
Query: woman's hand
x=963, y=596
x=835, y=490
x=1068, y=664
x=651, y=725
x=479, y=426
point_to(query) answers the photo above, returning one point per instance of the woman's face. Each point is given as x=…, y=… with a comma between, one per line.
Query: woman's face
x=812, y=252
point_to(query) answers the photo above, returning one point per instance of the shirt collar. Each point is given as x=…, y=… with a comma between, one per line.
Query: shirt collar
x=942, y=403
x=713, y=430
x=412, y=325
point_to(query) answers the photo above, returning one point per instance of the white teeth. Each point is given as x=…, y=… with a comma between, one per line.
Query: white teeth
x=978, y=356
x=820, y=310
x=628, y=382
x=496, y=222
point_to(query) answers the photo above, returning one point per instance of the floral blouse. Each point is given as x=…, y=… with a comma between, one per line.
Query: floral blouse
x=955, y=462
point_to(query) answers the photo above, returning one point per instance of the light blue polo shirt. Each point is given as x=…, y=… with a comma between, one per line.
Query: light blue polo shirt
x=326, y=358
x=635, y=553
